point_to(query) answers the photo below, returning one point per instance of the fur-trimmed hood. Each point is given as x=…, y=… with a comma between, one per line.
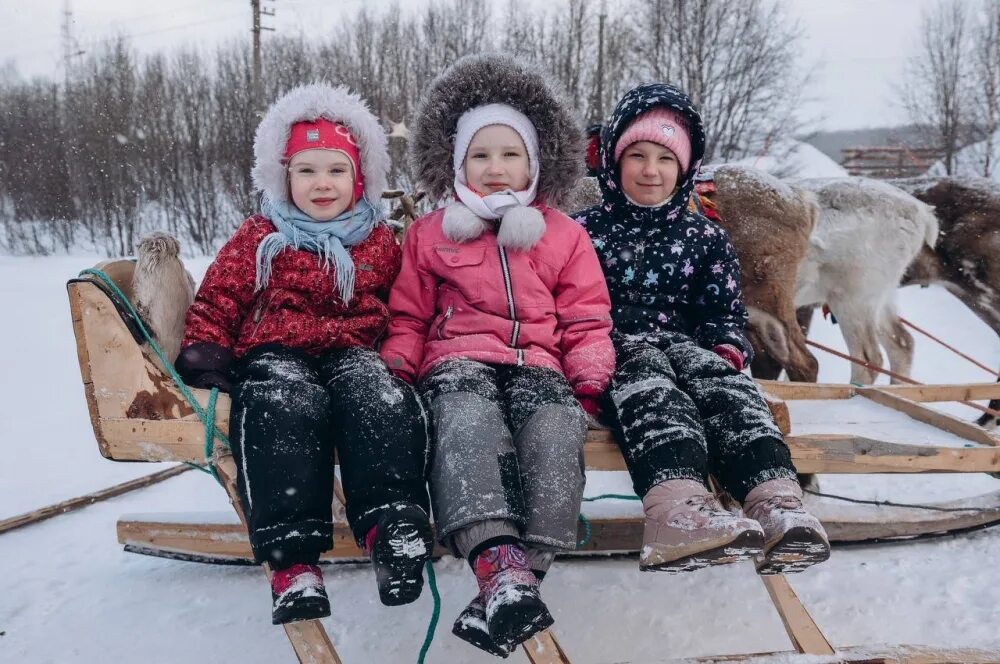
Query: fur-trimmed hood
x=476, y=80
x=308, y=102
x=636, y=101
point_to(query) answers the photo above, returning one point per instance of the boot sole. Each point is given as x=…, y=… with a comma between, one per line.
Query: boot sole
x=744, y=546
x=509, y=628
x=470, y=626
x=306, y=608
x=398, y=557
x=800, y=548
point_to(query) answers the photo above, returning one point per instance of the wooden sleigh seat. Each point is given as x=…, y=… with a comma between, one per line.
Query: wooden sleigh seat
x=139, y=414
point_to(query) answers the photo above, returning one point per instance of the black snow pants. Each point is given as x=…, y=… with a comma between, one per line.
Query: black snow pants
x=681, y=411
x=290, y=411
x=507, y=448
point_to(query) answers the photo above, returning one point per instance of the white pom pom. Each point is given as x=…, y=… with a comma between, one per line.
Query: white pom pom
x=521, y=228
x=461, y=224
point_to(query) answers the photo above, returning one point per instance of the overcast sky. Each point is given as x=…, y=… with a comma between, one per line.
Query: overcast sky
x=859, y=47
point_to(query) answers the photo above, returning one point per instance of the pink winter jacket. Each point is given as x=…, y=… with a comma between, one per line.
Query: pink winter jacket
x=548, y=306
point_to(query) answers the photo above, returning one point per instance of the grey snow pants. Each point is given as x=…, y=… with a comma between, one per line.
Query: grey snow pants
x=507, y=447
x=681, y=412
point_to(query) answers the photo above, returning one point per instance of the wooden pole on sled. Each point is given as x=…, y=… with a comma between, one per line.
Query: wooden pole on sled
x=309, y=639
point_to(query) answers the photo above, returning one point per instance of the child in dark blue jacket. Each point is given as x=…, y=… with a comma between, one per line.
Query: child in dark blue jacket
x=681, y=405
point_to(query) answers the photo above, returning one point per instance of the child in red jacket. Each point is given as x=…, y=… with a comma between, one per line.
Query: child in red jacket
x=501, y=315
x=286, y=320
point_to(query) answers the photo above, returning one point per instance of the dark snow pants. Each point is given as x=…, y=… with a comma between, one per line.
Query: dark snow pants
x=507, y=447
x=290, y=411
x=681, y=411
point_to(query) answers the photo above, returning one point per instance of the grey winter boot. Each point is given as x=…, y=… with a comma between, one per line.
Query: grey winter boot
x=793, y=538
x=687, y=529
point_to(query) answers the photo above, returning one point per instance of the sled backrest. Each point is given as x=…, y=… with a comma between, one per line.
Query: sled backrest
x=137, y=412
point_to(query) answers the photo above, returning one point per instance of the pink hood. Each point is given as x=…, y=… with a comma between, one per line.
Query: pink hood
x=547, y=306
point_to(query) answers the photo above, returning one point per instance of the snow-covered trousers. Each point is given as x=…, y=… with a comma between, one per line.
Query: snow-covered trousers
x=290, y=411
x=681, y=411
x=507, y=446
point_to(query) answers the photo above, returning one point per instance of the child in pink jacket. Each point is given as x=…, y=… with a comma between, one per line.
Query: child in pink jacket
x=501, y=315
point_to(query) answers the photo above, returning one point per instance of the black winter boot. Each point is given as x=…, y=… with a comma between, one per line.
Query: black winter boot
x=399, y=546
x=298, y=593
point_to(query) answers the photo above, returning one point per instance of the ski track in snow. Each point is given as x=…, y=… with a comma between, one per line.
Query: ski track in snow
x=72, y=594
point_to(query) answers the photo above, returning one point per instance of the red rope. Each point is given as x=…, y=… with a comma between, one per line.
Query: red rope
x=893, y=374
x=951, y=348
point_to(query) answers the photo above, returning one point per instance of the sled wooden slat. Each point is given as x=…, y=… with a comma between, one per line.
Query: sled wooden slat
x=802, y=629
x=945, y=392
x=857, y=454
x=928, y=415
x=544, y=649
x=908, y=654
x=21, y=520
x=806, y=391
x=208, y=540
x=309, y=639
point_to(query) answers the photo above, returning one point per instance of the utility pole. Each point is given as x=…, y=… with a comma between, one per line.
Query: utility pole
x=258, y=91
x=597, y=112
x=69, y=46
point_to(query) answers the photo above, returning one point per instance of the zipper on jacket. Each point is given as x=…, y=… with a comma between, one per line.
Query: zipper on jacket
x=447, y=317
x=258, y=315
x=511, y=309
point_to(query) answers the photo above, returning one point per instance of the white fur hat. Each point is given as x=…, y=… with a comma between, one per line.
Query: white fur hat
x=494, y=114
x=306, y=103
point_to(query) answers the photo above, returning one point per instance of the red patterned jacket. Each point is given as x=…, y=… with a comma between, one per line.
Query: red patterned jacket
x=299, y=307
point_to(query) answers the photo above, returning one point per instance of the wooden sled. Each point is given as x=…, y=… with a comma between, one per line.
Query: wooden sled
x=138, y=414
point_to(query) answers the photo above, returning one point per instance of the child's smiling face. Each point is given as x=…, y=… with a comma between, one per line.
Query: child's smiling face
x=497, y=160
x=649, y=172
x=321, y=183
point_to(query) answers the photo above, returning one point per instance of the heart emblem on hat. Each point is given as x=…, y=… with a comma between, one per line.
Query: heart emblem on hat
x=668, y=130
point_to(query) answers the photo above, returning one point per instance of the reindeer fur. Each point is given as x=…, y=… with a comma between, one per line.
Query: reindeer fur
x=162, y=290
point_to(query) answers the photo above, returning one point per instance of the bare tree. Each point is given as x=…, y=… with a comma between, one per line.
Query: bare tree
x=986, y=64
x=936, y=89
x=737, y=61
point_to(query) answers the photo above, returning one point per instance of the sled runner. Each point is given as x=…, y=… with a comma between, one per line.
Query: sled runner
x=139, y=414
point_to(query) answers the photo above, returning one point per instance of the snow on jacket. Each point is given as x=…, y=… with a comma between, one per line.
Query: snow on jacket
x=668, y=269
x=299, y=307
x=547, y=306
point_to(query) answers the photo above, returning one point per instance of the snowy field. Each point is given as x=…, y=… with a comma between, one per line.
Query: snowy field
x=70, y=594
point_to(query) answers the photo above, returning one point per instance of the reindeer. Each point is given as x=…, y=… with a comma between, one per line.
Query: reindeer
x=966, y=259
x=770, y=225
x=867, y=235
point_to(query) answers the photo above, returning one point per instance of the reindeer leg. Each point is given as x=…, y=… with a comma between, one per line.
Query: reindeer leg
x=859, y=326
x=897, y=342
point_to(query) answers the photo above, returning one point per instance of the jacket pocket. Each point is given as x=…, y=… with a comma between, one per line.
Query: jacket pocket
x=462, y=266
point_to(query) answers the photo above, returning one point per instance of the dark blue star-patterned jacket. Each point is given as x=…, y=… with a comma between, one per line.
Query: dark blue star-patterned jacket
x=668, y=269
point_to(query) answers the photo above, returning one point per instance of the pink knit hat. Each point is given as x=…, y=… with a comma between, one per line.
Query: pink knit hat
x=659, y=125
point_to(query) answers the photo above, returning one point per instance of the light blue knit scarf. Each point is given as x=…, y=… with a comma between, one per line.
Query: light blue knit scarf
x=327, y=239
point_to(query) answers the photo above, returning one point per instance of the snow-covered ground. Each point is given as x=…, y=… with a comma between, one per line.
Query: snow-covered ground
x=70, y=594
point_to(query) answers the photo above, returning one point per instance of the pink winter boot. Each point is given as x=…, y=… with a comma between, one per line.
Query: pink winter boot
x=687, y=529
x=514, y=609
x=793, y=538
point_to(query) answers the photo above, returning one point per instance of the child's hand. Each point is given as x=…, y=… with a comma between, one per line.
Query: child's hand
x=730, y=354
x=205, y=365
x=590, y=405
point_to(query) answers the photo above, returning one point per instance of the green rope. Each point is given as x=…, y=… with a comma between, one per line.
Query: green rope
x=588, y=530
x=207, y=416
x=432, y=627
